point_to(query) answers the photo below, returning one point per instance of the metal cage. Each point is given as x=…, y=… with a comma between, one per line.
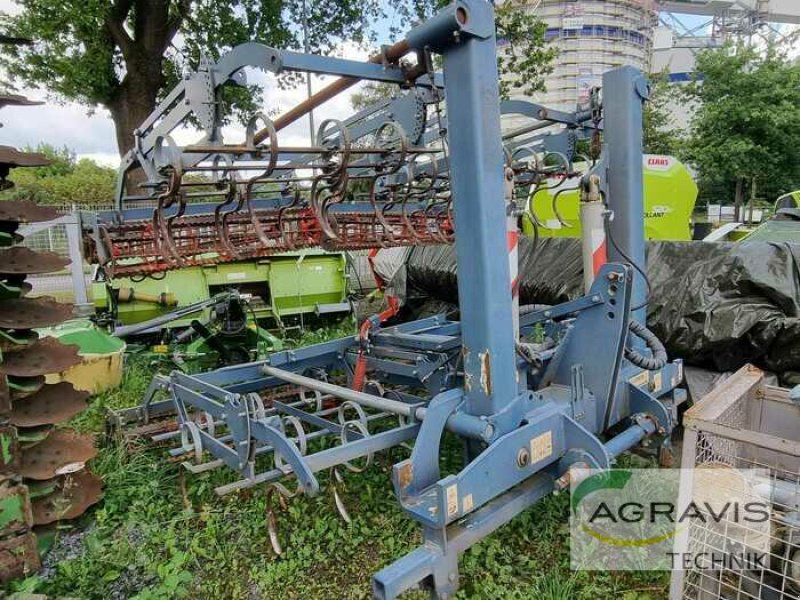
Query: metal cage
x=745, y=424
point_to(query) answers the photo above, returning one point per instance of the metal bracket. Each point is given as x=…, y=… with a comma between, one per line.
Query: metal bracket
x=420, y=471
x=642, y=402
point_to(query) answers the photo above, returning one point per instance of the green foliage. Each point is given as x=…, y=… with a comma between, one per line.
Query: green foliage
x=371, y=93
x=524, y=59
x=65, y=182
x=660, y=135
x=124, y=54
x=745, y=125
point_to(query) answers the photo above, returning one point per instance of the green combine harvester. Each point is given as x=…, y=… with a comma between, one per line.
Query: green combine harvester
x=670, y=194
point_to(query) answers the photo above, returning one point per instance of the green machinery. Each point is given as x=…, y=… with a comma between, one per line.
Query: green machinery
x=299, y=284
x=670, y=194
x=201, y=316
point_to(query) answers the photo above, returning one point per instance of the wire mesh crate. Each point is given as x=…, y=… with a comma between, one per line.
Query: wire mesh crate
x=743, y=424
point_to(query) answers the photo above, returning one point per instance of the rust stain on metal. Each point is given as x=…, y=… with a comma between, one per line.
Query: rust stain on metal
x=405, y=474
x=26, y=211
x=63, y=451
x=50, y=405
x=486, y=372
x=20, y=260
x=28, y=313
x=76, y=493
x=44, y=356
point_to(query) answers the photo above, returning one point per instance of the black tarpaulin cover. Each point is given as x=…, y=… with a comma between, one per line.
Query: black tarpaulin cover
x=718, y=305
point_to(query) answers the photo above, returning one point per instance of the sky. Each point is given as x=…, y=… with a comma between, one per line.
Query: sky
x=91, y=133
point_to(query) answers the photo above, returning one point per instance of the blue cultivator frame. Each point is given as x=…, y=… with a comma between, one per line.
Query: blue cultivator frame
x=529, y=405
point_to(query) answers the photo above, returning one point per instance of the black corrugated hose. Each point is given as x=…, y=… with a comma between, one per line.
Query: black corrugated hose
x=659, y=358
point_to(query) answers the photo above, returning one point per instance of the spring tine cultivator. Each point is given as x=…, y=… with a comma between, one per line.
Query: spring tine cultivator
x=43, y=478
x=532, y=394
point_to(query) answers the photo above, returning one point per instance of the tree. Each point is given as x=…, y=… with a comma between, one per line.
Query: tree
x=660, y=135
x=744, y=132
x=523, y=58
x=64, y=182
x=124, y=54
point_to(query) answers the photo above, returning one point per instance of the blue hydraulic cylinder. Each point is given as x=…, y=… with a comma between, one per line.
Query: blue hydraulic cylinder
x=477, y=180
x=624, y=92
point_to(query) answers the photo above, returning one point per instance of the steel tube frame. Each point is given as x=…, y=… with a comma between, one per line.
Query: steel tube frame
x=376, y=402
x=464, y=34
x=624, y=93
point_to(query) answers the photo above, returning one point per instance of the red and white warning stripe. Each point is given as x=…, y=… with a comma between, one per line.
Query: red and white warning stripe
x=593, y=241
x=513, y=260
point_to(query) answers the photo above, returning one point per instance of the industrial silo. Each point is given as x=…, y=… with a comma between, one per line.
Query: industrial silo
x=592, y=37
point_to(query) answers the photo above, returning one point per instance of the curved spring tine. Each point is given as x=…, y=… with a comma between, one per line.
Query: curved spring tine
x=529, y=209
x=431, y=213
x=555, y=205
x=302, y=445
x=162, y=235
x=392, y=161
x=321, y=208
x=272, y=135
x=411, y=229
x=111, y=264
x=286, y=236
x=272, y=524
x=220, y=215
x=358, y=426
x=336, y=481
x=421, y=192
x=168, y=222
x=388, y=237
x=334, y=175
x=564, y=161
x=222, y=228
x=433, y=177
x=167, y=156
x=439, y=232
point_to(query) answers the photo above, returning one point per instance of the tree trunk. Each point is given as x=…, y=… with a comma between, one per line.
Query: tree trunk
x=152, y=31
x=132, y=105
x=737, y=203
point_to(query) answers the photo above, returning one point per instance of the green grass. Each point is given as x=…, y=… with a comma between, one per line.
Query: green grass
x=161, y=534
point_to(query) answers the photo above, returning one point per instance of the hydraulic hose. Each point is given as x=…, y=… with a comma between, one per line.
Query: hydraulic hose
x=659, y=358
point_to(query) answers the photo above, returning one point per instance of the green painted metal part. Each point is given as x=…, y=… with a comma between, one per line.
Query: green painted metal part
x=281, y=286
x=15, y=508
x=199, y=356
x=86, y=335
x=670, y=194
x=9, y=448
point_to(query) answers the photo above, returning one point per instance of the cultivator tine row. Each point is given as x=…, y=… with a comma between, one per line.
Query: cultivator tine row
x=341, y=194
x=43, y=478
x=338, y=194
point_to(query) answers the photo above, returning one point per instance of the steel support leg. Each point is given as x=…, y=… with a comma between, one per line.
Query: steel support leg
x=468, y=46
x=624, y=92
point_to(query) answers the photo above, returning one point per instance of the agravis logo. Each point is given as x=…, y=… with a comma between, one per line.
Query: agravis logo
x=630, y=518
